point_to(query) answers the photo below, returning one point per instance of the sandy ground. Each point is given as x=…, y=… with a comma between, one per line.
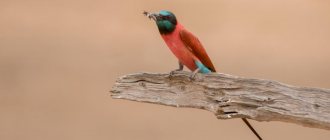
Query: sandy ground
x=59, y=59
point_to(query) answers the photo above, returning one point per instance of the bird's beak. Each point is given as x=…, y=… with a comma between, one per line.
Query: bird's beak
x=151, y=15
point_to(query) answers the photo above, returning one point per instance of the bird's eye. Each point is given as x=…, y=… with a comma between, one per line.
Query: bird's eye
x=165, y=17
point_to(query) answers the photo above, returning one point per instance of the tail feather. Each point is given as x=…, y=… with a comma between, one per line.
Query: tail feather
x=251, y=128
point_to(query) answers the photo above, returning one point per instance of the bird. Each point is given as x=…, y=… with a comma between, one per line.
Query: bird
x=186, y=47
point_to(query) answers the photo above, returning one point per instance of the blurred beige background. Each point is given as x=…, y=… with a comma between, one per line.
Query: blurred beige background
x=59, y=59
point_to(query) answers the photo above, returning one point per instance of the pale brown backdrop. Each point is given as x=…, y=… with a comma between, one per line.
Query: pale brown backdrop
x=59, y=59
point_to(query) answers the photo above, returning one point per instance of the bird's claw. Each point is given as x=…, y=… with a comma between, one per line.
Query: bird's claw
x=192, y=77
x=193, y=74
x=174, y=71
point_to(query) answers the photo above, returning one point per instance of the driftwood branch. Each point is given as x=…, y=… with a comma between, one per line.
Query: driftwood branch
x=230, y=96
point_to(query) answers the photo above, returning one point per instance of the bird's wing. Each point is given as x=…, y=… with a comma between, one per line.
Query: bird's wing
x=195, y=46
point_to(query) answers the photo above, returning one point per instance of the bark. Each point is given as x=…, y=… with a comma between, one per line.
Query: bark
x=230, y=96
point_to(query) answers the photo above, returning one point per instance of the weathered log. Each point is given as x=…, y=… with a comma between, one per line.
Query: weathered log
x=230, y=96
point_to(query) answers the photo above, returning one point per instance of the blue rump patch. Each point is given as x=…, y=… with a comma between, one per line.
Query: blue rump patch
x=202, y=67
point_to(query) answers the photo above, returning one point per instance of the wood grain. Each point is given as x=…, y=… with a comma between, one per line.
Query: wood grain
x=230, y=96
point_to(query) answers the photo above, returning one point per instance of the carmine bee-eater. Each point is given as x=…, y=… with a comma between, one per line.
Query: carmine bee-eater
x=185, y=46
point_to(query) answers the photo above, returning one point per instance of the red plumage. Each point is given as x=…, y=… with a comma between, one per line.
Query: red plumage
x=187, y=48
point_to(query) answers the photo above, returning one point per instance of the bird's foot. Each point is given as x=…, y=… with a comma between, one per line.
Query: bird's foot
x=176, y=70
x=193, y=74
x=192, y=77
x=173, y=71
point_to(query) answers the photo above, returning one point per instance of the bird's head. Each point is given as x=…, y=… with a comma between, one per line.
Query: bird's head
x=165, y=20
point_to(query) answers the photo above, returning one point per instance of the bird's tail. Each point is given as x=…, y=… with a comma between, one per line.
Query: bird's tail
x=251, y=128
x=247, y=122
